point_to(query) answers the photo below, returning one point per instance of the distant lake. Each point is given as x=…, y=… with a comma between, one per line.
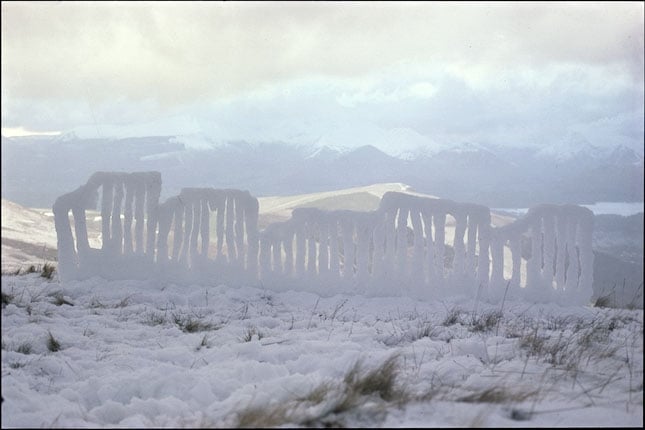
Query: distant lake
x=599, y=208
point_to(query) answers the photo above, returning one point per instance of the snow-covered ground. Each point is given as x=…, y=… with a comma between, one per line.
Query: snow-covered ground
x=146, y=354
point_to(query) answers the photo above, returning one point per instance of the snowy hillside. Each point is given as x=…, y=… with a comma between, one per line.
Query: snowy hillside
x=28, y=236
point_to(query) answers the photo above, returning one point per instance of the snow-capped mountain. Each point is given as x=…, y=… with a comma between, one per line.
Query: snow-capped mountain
x=324, y=153
x=37, y=169
x=622, y=155
x=577, y=148
x=571, y=149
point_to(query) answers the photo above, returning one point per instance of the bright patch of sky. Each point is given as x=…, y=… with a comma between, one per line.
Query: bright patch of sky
x=342, y=74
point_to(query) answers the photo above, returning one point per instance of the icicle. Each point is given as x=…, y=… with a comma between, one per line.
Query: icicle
x=205, y=227
x=240, y=251
x=106, y=209
x=153, y=191
x=117, y=232
x=139, y=198
x=483, y=262
x=334, y=254
x=311, y=248
x=440, y=243
x=459, y=248
x=130, y=186
x=230, y=229
x=584, y=239
x=347, y=229
x=251, y=222
x=418, y=276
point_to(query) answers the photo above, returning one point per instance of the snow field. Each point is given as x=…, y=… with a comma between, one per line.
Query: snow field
x=149, y=354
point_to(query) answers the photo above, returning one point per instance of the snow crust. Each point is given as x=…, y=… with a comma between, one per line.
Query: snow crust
x=127, y=358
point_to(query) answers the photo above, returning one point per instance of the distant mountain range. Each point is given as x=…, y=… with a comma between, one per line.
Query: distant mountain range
x=37, y=169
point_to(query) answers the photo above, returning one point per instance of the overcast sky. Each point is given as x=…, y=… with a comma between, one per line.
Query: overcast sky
x=398, y=74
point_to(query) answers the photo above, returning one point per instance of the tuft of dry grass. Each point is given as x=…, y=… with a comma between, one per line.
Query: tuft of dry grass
x=47, y=271
x=24, y=348
x=603, y=301
x=153, y=318
x=381, y=380
x=124, y=302
x=14, y=272
x=59, y=300
x=188, y=324
x=497, y=395
x=329, y=403
x=52, y=344
x=452, y=317
x=571, y=343
x=6, y=299
x=95, y=303
x=262, y=417
x=203, y=343
x=251, y=332
x=486, y=321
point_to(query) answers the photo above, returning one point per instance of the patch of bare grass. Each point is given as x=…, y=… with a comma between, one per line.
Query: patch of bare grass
x=47, y=271
x=52, y=344
x=485, y=321
x=250, y=333
x=59, y=299
x=497, y=395
x=6, y=299
x=193, y=324
x=330, y=403
x=452, y=317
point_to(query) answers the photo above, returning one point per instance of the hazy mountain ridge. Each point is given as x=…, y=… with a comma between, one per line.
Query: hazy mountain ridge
x=37, y=169
x=620, y=236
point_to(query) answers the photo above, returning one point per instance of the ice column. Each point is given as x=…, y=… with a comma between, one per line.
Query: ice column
x=585, y=234
x=115, y=236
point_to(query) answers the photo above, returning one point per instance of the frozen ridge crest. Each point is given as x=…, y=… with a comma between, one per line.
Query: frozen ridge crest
x=411, y=245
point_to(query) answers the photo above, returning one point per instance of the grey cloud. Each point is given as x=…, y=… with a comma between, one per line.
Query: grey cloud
x=177, y=53
x=519, y=113
x=277, y=71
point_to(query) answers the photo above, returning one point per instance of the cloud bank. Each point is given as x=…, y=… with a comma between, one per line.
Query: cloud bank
x=519, y=73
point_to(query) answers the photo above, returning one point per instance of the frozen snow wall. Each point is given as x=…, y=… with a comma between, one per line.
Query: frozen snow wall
x=128, y=212
x=323, y=251
x=142, y=239
x=398, y=249
x=209, y=234
x=551, y=255
x=411, y=245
